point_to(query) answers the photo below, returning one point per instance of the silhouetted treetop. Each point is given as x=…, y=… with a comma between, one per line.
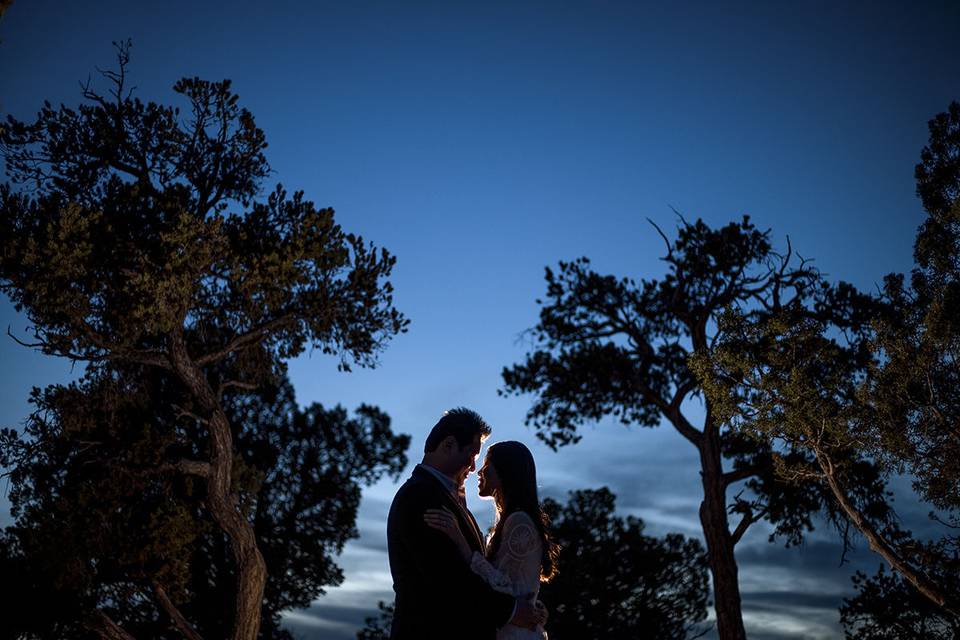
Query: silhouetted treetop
x=614, y=346
x=125, y=208
x=616, y=582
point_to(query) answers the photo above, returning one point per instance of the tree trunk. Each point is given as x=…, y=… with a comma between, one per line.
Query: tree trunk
x=222, y=502
x=716, y=531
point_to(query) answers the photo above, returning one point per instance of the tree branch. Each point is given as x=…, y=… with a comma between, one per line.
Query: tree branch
x=923, y=583
x=187, y=467
x=182, y=624
x=149, y=358
x=248, y=386
x=106, y=628
x=752, y=512
x=666, y=240
x=739, y=474
x=683, y=426
x=681, y=394
x=193, y=467
x=245, y=340
x=742, y=527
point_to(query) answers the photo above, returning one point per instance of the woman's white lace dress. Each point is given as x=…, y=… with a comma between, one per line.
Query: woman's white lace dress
x=515, y=569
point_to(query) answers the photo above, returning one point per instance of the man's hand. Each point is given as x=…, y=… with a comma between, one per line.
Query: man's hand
x=529, y=616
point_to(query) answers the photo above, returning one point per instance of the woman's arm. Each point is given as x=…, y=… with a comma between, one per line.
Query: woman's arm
x=520, y=541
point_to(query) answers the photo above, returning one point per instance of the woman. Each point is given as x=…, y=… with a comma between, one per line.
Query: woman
x=520, y=553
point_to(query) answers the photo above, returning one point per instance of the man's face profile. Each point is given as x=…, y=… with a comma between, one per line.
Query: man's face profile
x=468, y=458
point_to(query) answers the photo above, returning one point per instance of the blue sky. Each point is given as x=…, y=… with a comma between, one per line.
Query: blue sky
x=481, y=142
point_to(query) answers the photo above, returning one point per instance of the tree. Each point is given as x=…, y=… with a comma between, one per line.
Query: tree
x=105, y=522
x=616, y=582
x=887, y=607
x=125, y=241
x=878, y=377
x=608, y=346
x=613, y=581
x=378, y=627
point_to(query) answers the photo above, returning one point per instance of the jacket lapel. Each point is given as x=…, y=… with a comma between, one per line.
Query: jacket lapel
x=473, y=529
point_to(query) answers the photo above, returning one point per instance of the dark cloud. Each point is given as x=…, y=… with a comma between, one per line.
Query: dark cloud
x=325, y=622
x=778, y=600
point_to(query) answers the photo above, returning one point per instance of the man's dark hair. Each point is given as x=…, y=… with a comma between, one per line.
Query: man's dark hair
x=461, y=423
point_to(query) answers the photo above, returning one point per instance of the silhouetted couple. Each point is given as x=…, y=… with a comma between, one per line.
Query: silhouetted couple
x=449, y=582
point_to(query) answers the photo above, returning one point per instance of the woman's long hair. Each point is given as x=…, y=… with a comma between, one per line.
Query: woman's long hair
x=517, y=472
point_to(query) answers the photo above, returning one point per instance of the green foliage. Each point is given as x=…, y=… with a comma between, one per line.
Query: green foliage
x=938, y=185
x=789, y=378
x=616, y=582
x=122, y=233
x=915, y=385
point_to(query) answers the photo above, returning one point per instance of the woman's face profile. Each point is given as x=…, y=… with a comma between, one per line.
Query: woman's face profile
x=488, y=482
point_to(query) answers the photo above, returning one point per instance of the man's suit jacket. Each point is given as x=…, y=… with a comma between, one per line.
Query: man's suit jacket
x=438, y=597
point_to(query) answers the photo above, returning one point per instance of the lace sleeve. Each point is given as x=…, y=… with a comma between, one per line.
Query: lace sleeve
x=520, y=538
x=518, y=561
x=497, y=579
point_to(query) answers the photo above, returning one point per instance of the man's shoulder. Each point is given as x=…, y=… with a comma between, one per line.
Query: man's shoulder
x=417, y=486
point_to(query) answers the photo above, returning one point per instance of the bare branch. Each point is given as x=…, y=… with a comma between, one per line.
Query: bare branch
x=665, y=239
x=248, y=386
x=679, y=215
x=936, y=518
x=742, y=527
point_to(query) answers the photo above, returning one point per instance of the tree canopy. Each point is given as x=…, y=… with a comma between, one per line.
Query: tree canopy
x=137, y=242
x=609, y=346
x=617, y=582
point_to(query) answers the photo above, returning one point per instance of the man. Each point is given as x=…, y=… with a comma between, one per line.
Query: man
x=437, y=595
